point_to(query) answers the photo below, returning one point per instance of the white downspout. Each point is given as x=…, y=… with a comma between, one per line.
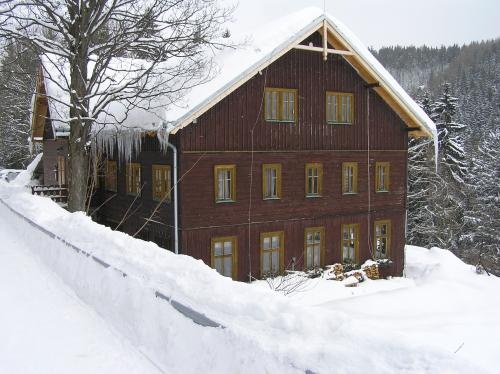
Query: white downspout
x=176, y=216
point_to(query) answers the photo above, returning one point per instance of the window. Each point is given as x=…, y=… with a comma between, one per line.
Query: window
x=339, y=107
x=271, y=181
x=382, y=239
x=133, y=178
x=61, y=170
x=161, y=182
x=280, y=104
x=382, y=176
x=110, y=176
x=271, y=253
x=314, y=180
x=224, y=256
x=314, y=246
x=350, y=243
x=225, y=183
x=349, y=177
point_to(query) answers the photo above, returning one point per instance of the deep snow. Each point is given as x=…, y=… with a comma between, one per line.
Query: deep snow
x=440, y=319
x=46, y=328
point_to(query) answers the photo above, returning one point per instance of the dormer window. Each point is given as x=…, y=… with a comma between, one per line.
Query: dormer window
x=280, y=105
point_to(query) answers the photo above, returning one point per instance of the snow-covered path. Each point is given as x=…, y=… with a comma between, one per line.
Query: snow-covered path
x=46, y=328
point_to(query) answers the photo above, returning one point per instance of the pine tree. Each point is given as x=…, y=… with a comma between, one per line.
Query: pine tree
x=17, y=72
x=484, y=212
x=452, y=168
x=424, y=185
x=451, y=150
x=474, y=73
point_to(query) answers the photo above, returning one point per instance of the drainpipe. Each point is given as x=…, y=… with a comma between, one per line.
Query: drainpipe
x=176, y=215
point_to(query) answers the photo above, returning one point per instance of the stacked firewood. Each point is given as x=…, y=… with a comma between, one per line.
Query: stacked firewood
x=371, y=271
x=338, y=271
x=368, y=270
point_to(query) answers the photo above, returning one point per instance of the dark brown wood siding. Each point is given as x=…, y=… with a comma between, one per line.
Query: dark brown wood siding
x=223, y=135
x=197, y=242
x=160, y=229
x=228, y=125
x=203, y=218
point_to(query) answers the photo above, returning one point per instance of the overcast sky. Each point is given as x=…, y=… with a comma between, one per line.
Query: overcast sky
x=388, y=22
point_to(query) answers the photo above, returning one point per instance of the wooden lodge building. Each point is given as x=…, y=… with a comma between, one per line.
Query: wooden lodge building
x=294, y=157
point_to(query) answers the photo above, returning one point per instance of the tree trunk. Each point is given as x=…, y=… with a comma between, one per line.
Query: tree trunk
x=78, y=166
x=80, y=128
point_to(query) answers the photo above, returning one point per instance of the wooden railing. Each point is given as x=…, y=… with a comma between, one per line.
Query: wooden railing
x=57, y=193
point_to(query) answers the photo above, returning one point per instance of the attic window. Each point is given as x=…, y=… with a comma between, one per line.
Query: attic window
x=339, y=108
x=280, y=105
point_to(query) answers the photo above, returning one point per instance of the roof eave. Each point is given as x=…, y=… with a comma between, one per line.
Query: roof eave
x=247, y=74
x=383, y=84
x=411, y=118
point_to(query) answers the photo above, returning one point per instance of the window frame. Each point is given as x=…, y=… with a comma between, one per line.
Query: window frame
x=307, y=167
x=388, y=236
x=129, y=166
x=218, y=168
x=321, y=230
x=355, y=178
x=279, y=109
x=387, y=180
x=339, y=96
x=61, y=175
x=281, y=251
x=167, y=192
x=265, y=167
x=356, y=242
x=114, y=177
x=234, y=254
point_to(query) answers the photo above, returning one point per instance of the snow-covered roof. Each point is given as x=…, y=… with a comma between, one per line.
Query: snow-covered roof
x=256, y=50
x=146, y=113
x=269, y=43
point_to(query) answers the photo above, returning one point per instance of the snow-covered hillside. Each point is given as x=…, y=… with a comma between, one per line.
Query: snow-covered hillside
x=440, y=319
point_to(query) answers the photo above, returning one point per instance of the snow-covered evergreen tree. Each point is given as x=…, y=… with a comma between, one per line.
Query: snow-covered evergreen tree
x=462, y=213
x=451, y=149
x=17, y=80
x=423, y=185
x=452, y=168
x=484, y=212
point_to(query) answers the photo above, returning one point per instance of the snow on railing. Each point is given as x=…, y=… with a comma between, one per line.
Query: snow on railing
x=196, y=317
x=58, y=193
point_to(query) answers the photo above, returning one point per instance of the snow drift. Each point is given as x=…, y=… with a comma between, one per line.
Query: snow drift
x=322, y=330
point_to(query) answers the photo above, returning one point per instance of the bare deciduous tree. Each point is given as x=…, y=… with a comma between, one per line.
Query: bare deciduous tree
x=92, y=49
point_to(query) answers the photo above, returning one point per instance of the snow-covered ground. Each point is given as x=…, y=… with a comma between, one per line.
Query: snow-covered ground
x=442, y=318
x=46, y=328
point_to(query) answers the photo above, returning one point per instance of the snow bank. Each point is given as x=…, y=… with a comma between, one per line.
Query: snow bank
x=430, y=265
x=129, y=304
x=265, y=331
x=24, y=177
x=41, y=317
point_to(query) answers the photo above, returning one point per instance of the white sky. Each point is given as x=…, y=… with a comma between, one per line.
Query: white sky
x=389, y=22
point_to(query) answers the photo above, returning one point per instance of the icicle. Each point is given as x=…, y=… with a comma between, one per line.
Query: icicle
x=126, y=142
x=162, y=134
